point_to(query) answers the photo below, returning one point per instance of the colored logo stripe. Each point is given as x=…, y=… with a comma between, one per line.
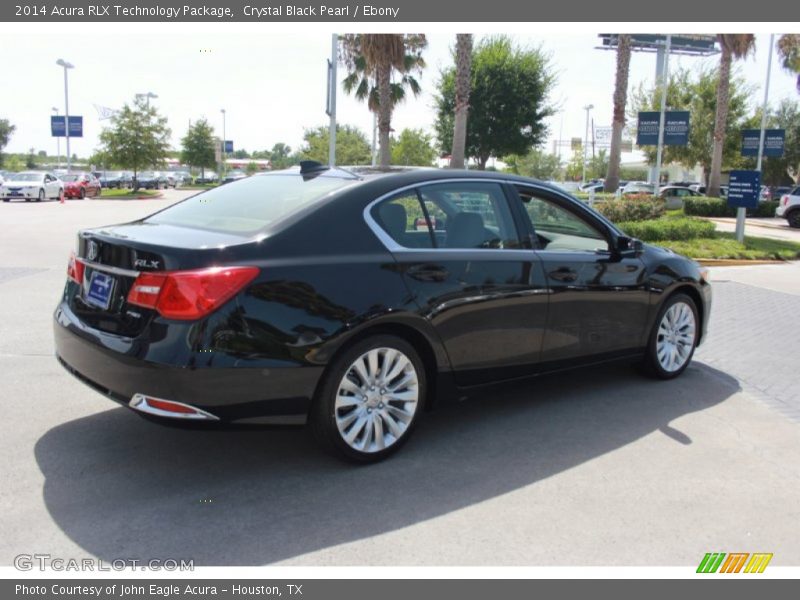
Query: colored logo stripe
x=734, y=562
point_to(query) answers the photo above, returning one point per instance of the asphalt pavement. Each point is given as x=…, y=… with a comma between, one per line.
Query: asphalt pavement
x=600, y=467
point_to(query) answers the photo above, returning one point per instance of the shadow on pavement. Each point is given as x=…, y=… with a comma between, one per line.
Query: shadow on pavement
x=121, y=487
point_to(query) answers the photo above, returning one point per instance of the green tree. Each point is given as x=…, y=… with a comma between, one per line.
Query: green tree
x=240, y=154
x=537, y=164
x=6, y=131
x=371, y=61
x=199, y=147
x=138, y=137
x=101, y=160
x=30, y=160
x=734, y=46
x=508, y=100
x=251, y=168
x=352, y=147
x=696, y=91
x=14, y=163
x=413, y=147
x=462, y=83
x=281, y=156
x=618, y=121
x=789, y=51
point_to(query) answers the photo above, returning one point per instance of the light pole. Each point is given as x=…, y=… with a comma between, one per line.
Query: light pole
x=587, y=108
x=148, y=95
x=67, y=66
x=58, y=145
x=224, y=137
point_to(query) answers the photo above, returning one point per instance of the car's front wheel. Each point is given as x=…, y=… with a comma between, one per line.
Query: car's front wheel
x=794, y=219
x=370, y=399
x=41, y=196
x=673, y=339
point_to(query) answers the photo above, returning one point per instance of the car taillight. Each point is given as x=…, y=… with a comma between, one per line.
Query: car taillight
x=75, y=269
x=189, y=295
x=785, y=200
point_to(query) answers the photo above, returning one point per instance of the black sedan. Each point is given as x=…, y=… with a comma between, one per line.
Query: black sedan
x=354, y=301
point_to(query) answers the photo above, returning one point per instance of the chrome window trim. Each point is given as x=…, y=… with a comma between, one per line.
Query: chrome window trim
x=109, y=268
x=393, y=246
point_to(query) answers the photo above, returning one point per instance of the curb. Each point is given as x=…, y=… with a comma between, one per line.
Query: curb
x=156, y=197
x=747, y=223
x=736, y=262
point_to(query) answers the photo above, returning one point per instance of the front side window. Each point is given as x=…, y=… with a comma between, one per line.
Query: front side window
x=559, y=229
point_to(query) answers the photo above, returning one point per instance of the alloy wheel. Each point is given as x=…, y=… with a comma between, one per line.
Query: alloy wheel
x=676, y=337
x=376, y=400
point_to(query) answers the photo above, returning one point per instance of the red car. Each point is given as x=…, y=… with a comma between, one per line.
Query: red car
x=81, y=185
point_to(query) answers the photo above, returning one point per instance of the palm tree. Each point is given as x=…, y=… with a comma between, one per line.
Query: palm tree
x=618, y=122
x=463, y=80
x=371, y=60
x=733, y=46
x=789, y=51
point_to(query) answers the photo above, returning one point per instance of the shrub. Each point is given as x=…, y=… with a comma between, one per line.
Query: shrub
x=707, y=207
x=627, y=210
x=718, y=207
x=669, y=229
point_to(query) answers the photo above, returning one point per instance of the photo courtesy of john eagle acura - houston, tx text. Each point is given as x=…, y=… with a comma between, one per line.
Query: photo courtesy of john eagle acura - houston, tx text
x=355, y=300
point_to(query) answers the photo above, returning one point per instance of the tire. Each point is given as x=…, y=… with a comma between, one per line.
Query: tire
x=794, y=219
x=673, y=339
x=82, y=194
x=347, y=405
x=41, y=196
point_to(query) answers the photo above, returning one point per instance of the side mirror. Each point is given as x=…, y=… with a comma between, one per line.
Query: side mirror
x=629, y=244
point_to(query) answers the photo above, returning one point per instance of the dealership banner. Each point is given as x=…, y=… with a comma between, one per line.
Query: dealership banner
x=386, y=11
x=774, y=140
x=676, y=128
x=58, y=126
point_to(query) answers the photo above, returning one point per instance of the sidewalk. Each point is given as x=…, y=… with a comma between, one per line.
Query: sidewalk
x=774, y=228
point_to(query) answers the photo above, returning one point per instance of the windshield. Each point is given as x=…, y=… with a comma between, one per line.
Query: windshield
x=73, y=177
x=249, y=205
x=26, y=177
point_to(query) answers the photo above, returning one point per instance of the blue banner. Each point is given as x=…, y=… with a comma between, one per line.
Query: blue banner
x=676, y=128
x=774, y=140
x=744, y=189
x=228, y=146
x=57, y=128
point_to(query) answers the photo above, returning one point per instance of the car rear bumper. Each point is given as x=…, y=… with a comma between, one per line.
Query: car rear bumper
x=119, y=368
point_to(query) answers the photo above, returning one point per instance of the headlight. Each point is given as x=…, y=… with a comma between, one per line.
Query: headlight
x=704, y=274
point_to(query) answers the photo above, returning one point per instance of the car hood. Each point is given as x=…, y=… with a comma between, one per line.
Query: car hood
x=21, y=183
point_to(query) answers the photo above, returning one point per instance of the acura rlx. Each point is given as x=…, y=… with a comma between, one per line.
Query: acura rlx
x=355, y=300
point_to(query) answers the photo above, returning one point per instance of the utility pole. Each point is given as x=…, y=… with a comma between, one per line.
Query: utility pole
x=587, y=108
x=66, y=65
x=332, y=64
x=662, y=116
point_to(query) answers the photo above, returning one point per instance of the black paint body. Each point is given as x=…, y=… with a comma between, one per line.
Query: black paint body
x=326, y=279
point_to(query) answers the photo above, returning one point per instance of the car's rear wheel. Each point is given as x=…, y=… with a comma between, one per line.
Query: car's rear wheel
x=794, y=219
x=370, y=399
x=673, y=339
x=82, y=194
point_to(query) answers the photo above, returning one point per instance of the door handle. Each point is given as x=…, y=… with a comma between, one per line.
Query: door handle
x=428, y=272
x=564, y=274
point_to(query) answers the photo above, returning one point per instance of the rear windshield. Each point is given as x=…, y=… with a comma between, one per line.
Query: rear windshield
x=248, y=205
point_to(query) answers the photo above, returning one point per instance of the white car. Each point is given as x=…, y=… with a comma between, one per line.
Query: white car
x=789, y=208
x=31, y=185
x=638, y=187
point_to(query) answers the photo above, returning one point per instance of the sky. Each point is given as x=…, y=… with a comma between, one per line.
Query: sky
x=272, y=83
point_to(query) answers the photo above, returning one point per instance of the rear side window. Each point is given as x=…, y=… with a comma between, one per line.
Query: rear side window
x=250, y=205
x=403, y=219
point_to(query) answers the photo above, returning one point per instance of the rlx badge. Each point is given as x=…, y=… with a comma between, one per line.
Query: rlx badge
x=147, y=264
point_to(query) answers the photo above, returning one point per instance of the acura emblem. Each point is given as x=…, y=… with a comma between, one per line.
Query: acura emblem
x=91, y=250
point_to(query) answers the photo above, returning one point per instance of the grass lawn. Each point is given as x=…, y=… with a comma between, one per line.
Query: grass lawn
x=118, y=194
x=724, y=245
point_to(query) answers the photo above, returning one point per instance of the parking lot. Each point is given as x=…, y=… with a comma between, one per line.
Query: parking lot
x=599, y=468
